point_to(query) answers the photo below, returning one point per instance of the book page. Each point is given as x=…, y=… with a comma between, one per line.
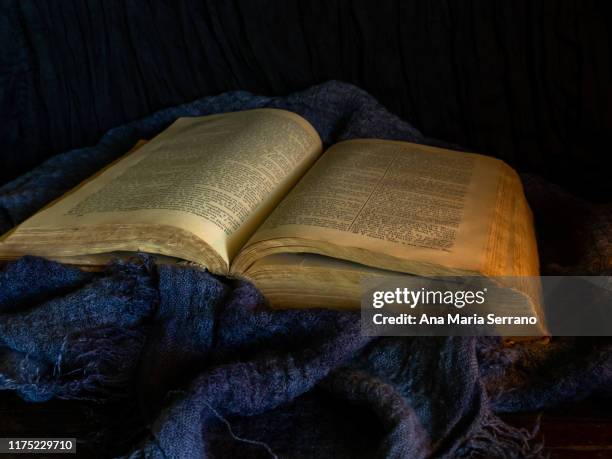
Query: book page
x=216, y=177
x=403, y=200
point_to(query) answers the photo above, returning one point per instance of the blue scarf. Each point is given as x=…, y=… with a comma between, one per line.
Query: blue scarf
x=186, y=364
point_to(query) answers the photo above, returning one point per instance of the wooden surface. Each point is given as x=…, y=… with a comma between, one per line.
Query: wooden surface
x=580, y=431
x=55, y=419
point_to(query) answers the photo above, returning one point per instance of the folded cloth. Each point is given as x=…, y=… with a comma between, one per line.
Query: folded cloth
x=204, y=369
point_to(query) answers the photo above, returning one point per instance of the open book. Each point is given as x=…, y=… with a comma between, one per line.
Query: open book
x=252, y=194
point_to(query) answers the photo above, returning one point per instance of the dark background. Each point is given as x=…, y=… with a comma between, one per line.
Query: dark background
x=527, y=81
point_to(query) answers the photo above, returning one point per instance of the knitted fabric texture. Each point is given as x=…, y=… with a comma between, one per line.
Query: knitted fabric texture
x=187, y=364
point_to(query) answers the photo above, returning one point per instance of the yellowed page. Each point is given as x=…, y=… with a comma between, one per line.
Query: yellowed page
x=216, y=177
x=399, y=199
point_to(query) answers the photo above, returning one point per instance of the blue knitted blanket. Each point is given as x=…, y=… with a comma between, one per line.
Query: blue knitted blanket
x=186, y=364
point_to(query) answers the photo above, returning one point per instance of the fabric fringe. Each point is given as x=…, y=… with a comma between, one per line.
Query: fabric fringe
x=98, y=364
x=498, y=440
x=138, y=278
x=101, y=364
